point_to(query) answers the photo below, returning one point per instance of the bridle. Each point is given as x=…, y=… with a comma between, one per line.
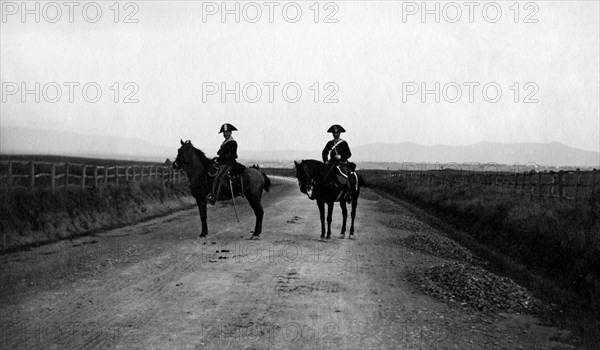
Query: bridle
x=183, y=166
x=310, y=181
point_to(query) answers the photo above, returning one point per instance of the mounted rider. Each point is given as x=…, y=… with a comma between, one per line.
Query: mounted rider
x=336, y=154
x=224, y=163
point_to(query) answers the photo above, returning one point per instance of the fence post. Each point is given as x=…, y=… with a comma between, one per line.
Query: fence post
x=577, y=178
x=552, y=182
x=126, y=174
x=95, y=176
x=53, y=177
x=141, y=173
x=105, y=175
x=516, y=182
x=83, y=170
x=10, y=174
x=560, y=184
x=31, y=175
x=66, y=175
x=531, y=184
x=540, y=185
x=594, y=177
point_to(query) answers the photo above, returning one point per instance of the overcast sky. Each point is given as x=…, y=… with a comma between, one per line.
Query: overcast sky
x=368, y=63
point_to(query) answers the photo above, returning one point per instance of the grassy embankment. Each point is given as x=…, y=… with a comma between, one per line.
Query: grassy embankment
x=558, y=240
x=32, y=217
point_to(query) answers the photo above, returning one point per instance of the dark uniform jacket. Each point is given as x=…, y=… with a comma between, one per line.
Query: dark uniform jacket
x=228, y=151
x=341, y=148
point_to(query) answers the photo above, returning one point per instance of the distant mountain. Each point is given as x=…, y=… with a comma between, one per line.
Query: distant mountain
x=553, y=153
x=16, y=140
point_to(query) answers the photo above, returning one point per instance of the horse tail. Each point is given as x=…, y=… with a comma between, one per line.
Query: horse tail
x=267, y=185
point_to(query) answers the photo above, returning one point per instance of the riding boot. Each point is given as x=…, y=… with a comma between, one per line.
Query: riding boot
x=348, y=196
x=213, y=173
x=212, y=198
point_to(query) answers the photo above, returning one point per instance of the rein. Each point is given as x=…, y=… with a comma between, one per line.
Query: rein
x=310, y=176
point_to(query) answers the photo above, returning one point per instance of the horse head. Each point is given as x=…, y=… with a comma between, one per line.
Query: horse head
x=305, y=177
x=184, y=155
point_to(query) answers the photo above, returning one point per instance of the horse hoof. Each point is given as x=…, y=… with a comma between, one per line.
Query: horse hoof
x=203, y=235
x=351, y=237
x=342, y=237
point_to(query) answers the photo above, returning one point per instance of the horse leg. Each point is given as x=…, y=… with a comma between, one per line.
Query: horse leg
x=353, y=214
x=201, y=201
x=344, y=217
x=329, y=212
x=252, y=184
x=256, y=206
x=321, y=206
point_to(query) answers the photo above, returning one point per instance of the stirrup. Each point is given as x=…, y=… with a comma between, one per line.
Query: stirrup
x=211, y=199
x=348, y=197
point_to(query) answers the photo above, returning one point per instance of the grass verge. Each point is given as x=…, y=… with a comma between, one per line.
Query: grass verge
x=550, y=246
x=41, y=216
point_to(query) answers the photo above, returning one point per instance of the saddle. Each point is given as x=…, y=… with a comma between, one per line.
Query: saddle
x=352, y=177
x=228, y=178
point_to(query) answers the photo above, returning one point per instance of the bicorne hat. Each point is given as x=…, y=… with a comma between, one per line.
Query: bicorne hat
x=227, y=127
x=336, y=128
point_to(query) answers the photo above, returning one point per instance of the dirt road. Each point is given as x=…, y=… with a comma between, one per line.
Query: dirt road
x=157, y=285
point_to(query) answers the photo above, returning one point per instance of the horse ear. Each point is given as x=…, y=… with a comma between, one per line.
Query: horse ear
x=295, y=163
x=180, y=140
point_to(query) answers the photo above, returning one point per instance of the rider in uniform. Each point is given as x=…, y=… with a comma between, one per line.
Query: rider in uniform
x=336, y=154
x=225, y=162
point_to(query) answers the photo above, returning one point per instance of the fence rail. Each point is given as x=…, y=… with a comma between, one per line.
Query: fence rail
x=38, y=174
x=561, y=184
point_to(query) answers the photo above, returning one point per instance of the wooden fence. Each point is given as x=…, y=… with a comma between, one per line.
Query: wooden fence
x=32, y=174
x=560, y=184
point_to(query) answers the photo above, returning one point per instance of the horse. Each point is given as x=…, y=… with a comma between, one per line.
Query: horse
x=196, y=165
x=317, y=181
